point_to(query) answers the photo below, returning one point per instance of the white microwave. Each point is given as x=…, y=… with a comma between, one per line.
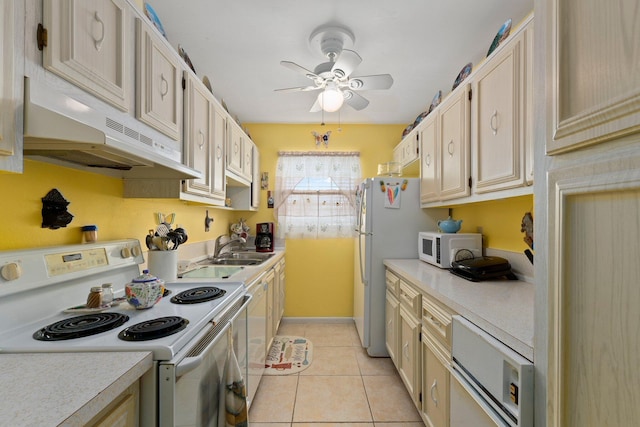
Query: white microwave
x=440, y=249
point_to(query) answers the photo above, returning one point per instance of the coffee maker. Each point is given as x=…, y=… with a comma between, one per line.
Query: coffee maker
x=264, y=237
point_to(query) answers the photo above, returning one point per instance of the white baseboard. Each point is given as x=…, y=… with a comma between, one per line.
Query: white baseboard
x=317, y=320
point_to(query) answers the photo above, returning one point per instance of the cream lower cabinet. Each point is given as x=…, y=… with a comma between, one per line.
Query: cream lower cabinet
x=270, y=280
x=392, y=316
x=87, y=45
x=500, y=132
x=122, y=412
x=409, y=340
x=279, y=292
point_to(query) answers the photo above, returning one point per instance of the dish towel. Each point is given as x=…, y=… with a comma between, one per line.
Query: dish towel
x=235, y=390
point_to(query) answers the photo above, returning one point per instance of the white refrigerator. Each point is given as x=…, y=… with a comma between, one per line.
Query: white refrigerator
x=389, y=219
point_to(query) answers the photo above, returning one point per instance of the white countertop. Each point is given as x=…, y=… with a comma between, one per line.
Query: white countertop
x=66, y=389
x=504, y=308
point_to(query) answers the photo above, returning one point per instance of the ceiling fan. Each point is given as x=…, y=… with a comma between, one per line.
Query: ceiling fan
x=333, y=78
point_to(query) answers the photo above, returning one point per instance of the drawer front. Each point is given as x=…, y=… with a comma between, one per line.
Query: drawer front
x=410, y=299
x=393, y=283
x=437, y=320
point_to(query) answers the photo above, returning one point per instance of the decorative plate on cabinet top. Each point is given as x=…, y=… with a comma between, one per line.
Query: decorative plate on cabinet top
x=503, y=33
x=207, y=83
x=464, y=73
x=153, y=16
x=407, y=130
x=419, y=118
x=186, y=58
x=436, y=101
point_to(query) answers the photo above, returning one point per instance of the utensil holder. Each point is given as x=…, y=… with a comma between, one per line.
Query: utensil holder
x=164, y=265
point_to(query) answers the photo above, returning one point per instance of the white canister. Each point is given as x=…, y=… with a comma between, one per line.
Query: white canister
x=163, y=265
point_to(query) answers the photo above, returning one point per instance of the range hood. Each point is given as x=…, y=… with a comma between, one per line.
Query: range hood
x=59, y=127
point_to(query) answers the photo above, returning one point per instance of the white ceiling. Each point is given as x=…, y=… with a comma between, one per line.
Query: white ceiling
x=423, y=44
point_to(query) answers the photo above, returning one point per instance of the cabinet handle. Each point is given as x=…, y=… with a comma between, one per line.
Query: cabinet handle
x=201, y=145
x=435, y=321
x=492, y=120
x=164, y=86
x=236, y=147
x=427, y=159
x=434, y=388
x=450, y=147
x=405, y=349
x=98, y=42
x=218, y=152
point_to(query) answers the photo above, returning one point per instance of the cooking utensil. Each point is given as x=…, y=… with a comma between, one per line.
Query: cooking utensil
x=149, y=241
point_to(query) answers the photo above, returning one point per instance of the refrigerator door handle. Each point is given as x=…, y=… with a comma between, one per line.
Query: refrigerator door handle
x=362, y=278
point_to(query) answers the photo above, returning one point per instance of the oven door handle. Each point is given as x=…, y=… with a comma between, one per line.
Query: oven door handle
x=190, y=363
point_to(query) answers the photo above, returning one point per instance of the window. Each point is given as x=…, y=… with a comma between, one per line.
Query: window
x=315, y=194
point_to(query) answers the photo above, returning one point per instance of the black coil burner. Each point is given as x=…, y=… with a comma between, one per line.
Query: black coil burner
x=80, y=326
x=196, y=295
x=152, y=329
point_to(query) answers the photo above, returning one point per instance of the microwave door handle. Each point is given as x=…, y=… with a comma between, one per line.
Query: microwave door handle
x=190, y=363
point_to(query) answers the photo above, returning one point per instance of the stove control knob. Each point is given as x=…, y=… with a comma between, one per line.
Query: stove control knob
x=11, y=271
x=136, y=251
x=125, y=252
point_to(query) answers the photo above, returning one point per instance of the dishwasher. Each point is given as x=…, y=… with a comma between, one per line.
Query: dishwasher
x=491, y=384
x=257, y=336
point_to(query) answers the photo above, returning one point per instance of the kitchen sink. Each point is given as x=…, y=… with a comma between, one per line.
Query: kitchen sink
x=238, y=258
x=212, y=272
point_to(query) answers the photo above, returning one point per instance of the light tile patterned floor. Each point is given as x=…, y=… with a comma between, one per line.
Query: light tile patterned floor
x=343, y=386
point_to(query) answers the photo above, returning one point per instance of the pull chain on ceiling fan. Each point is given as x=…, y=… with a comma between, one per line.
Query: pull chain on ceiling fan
x=333, y=77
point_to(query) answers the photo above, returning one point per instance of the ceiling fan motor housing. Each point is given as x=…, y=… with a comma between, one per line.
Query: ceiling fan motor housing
x=329, y=40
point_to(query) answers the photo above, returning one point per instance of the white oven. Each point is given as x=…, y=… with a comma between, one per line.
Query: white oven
x=491, y=385
x=189, y=332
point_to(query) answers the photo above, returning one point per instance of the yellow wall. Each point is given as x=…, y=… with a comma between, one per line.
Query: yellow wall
x=95, y=199
x=320, y=272
x=500, y=221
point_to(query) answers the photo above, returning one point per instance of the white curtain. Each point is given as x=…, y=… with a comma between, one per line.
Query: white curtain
x=315, y=194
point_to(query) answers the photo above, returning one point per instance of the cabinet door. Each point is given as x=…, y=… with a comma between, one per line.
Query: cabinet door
x=235, y=143
x=247, y=155
x=218, y=183
x=198, y=135
x=283, y=290
x=255, y=181
x=159, y=83
x=409, y=357
x=454, y=145
x=497, y=131
x=270, y=280
x=411, y=149
x=392, y=319
x=429, y=178
x=594, y=78
x=435, y=394
x=11, y=84
x=87, y=46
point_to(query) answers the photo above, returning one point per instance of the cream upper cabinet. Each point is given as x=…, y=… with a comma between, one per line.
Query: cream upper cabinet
x=407, y=151
x=595, y=72
x=499, y=127
x=11, y=84
x=218, y=185
x=235, y=143
x=87, y=45
x=158, y=82
x=429, y=164
x=453, y=144
x=255, y=181
x=198, y=139
x=247, y=155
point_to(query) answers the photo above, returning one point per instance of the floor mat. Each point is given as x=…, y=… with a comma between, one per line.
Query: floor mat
x=288, y=355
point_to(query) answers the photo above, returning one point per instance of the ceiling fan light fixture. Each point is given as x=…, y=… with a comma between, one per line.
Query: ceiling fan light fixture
x=331, y=99
x=355, y=84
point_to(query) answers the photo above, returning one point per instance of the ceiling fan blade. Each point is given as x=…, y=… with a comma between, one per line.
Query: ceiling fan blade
x=378, y=81
x=347, y=61
x=298, y=89
x=315, y=107
x=299, y=69
x=355, y=100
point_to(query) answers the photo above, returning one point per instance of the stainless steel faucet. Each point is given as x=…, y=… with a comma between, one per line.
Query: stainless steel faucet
x=236, y=240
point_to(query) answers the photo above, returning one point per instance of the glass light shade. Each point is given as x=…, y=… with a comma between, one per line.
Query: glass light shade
x=330, y=100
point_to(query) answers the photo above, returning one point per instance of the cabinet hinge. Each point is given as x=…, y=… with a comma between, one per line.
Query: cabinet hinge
x=42, y=37
x=420, y=336
x=470, y=182
x=184, y=84
x=420, y=397
x=470, y=94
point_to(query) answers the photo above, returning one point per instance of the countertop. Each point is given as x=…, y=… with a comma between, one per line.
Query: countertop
x=504, y=308
x=66, y=389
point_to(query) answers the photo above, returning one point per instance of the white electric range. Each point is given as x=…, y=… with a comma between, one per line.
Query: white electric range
x=41, y=289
